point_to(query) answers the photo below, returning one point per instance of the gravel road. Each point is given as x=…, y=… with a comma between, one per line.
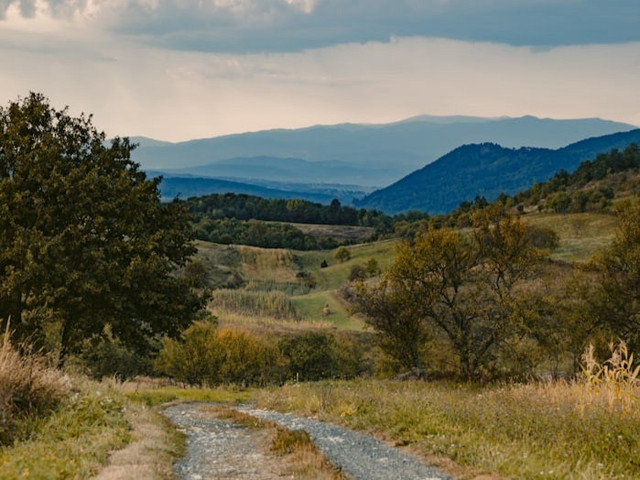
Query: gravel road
x=219, y=449
x=359, y=456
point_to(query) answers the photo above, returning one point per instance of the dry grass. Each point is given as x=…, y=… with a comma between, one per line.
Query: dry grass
x=581, y=234
x=269, y=324
x=560, y=430
x=28, y=388
x=337, y=232
x=272, y=304
x=267, y=264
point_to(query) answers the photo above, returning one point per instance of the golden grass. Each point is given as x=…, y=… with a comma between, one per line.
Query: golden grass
x=538, y=430
x=273, y=304
x=28, y=388
x=272, y=324
x=267, y=264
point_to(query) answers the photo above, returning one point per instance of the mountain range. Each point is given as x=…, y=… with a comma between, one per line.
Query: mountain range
x=354, y=154
x=486, y=169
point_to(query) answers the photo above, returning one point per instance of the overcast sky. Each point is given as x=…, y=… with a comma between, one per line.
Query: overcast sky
x=178, y=69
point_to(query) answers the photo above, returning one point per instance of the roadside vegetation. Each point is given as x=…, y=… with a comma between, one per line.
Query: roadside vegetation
x=485, y=303
x=587, y=428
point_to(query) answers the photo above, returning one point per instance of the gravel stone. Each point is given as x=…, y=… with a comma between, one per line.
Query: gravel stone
x=359, y=456
x=220, y=449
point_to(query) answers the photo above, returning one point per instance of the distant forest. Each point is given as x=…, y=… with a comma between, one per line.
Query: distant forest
x=249, y=220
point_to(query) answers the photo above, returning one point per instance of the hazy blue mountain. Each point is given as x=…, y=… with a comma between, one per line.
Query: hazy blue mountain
x=369, y=155
x=188, y=186
x=288, y=170
x=486, y=169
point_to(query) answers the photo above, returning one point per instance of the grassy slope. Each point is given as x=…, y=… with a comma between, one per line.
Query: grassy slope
x=581, y=234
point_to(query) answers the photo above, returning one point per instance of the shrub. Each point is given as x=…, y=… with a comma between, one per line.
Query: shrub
x=27, y=388
x=208, y=355
x=343, y=254
x=310, y=356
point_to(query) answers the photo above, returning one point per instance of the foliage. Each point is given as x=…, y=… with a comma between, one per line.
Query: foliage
x=28, y=389
x=342, y=254
x=105, y=356
x=246, y=207
x=615, y=301
x=208, y=355
x=569, y=193
x=397, y=318
x=255, y=233
x=461, y=286
x=310, y=356
x=84, y=239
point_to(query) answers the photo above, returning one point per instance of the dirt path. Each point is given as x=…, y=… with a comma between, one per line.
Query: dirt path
x=220, y=449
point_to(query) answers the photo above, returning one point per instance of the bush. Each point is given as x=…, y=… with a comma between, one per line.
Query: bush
x=27, y=388
x=310, y=356
x=208, y=355
x=106, y=356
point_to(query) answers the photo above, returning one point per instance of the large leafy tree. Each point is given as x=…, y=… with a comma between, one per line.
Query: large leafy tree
x=86, y=245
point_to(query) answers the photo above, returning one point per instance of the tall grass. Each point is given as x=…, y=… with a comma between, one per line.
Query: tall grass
x=28, y=388
x=73, y=441
x=587, y=429
x=273, y=304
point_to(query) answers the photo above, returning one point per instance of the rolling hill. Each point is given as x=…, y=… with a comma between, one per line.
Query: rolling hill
x=486, y=169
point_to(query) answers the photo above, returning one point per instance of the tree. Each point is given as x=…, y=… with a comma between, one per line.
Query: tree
x=462, y=286
x=85, y=242
x=616, y=299
x=398, y=320
x=343, y=254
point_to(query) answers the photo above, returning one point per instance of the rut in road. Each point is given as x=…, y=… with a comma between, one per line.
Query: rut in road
x=220, y=449
x=358, y=456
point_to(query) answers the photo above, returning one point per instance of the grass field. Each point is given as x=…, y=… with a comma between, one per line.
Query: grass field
x=337, y=273
x=581, y=234
x=337, y=232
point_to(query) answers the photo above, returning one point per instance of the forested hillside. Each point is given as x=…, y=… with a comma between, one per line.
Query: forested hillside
x=486, y=170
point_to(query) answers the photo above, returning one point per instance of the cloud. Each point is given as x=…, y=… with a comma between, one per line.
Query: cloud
x=137, y=89
x=252, y=26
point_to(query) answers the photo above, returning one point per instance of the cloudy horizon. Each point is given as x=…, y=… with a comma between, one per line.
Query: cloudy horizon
x=176, y=70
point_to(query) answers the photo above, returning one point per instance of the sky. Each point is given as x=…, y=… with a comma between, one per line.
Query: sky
x=176, y=70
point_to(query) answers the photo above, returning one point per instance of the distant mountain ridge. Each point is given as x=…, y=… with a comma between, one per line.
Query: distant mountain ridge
x=486, y=169
x=367, y=155
x=187, y=186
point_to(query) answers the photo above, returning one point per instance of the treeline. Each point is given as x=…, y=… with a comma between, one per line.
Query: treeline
x=257, y=233
x=247, y=207
x=590, y=188
x=247, y=220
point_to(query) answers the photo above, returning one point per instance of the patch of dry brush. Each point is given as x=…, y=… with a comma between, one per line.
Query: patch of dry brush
x=28, y=387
